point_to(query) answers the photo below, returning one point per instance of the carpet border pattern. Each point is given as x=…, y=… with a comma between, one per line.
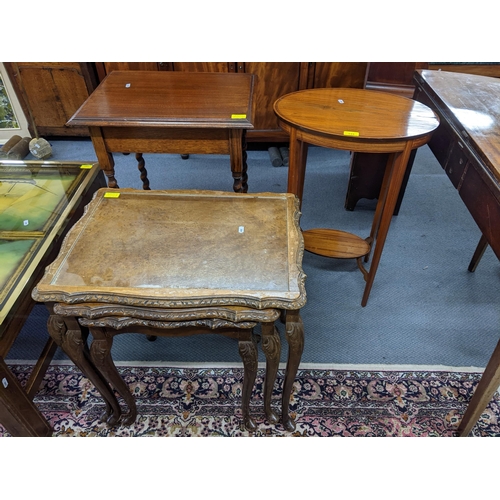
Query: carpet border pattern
x=198, y=400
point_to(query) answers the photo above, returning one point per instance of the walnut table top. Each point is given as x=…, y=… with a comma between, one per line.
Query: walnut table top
x=181, y=249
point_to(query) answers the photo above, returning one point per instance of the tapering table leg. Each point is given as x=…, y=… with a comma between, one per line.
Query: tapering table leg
x=297, y=165
x=478, y=253
x=384, y=213
x=489, y=383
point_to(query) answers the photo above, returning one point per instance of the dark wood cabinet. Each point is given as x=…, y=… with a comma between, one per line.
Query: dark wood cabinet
x=51, y=92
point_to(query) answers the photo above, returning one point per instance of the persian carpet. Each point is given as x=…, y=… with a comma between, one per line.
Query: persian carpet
x=333, y=401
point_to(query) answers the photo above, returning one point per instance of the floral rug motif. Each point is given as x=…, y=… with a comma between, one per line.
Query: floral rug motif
x=325, y=402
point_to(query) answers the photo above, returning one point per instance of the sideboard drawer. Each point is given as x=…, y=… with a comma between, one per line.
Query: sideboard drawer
x=457, y=161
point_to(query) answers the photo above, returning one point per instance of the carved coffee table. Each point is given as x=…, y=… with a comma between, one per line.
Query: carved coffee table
x=169, y=263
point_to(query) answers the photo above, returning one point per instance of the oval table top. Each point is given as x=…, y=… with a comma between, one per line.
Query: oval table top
x=367, y=114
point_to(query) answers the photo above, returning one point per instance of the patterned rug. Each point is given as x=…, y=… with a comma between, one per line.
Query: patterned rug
x=193, y=401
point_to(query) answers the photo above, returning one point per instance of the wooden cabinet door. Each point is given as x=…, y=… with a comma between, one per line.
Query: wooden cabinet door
x=337, y=74
x=273, y=80
x=51, y=93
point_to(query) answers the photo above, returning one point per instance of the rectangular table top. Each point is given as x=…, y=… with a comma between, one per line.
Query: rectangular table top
x=169, y=99
x=472, y=104
x=181, y=249
x=36, y=200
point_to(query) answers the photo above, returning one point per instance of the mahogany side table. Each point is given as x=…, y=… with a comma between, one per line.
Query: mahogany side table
x=179, y=263
x=170, y=112
x=362, y=121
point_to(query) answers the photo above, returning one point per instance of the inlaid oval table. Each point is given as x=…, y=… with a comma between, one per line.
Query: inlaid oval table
x=362, y=121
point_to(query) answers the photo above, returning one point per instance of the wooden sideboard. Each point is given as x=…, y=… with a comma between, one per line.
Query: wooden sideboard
x=466, y=142
x=467, y=147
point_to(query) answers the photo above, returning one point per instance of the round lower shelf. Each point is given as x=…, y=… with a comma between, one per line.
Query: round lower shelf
x=334, y=243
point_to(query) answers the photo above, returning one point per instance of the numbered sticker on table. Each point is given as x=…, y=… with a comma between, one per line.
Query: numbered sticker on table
x=26, y=222
x=241, y=229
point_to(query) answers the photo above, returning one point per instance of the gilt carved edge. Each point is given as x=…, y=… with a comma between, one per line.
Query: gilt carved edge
x=252, y=302
x=120, y=323
x=95, y=311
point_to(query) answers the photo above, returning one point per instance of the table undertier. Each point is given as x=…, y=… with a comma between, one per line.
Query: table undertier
x=334, y=243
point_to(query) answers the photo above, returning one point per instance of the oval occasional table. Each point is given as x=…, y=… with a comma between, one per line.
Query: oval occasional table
x=362, y=121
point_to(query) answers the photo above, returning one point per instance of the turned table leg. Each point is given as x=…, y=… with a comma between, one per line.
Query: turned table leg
x=142, y=169
x=295, y=338
x=104, y=157
x=238, y=159
x=271, y=345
